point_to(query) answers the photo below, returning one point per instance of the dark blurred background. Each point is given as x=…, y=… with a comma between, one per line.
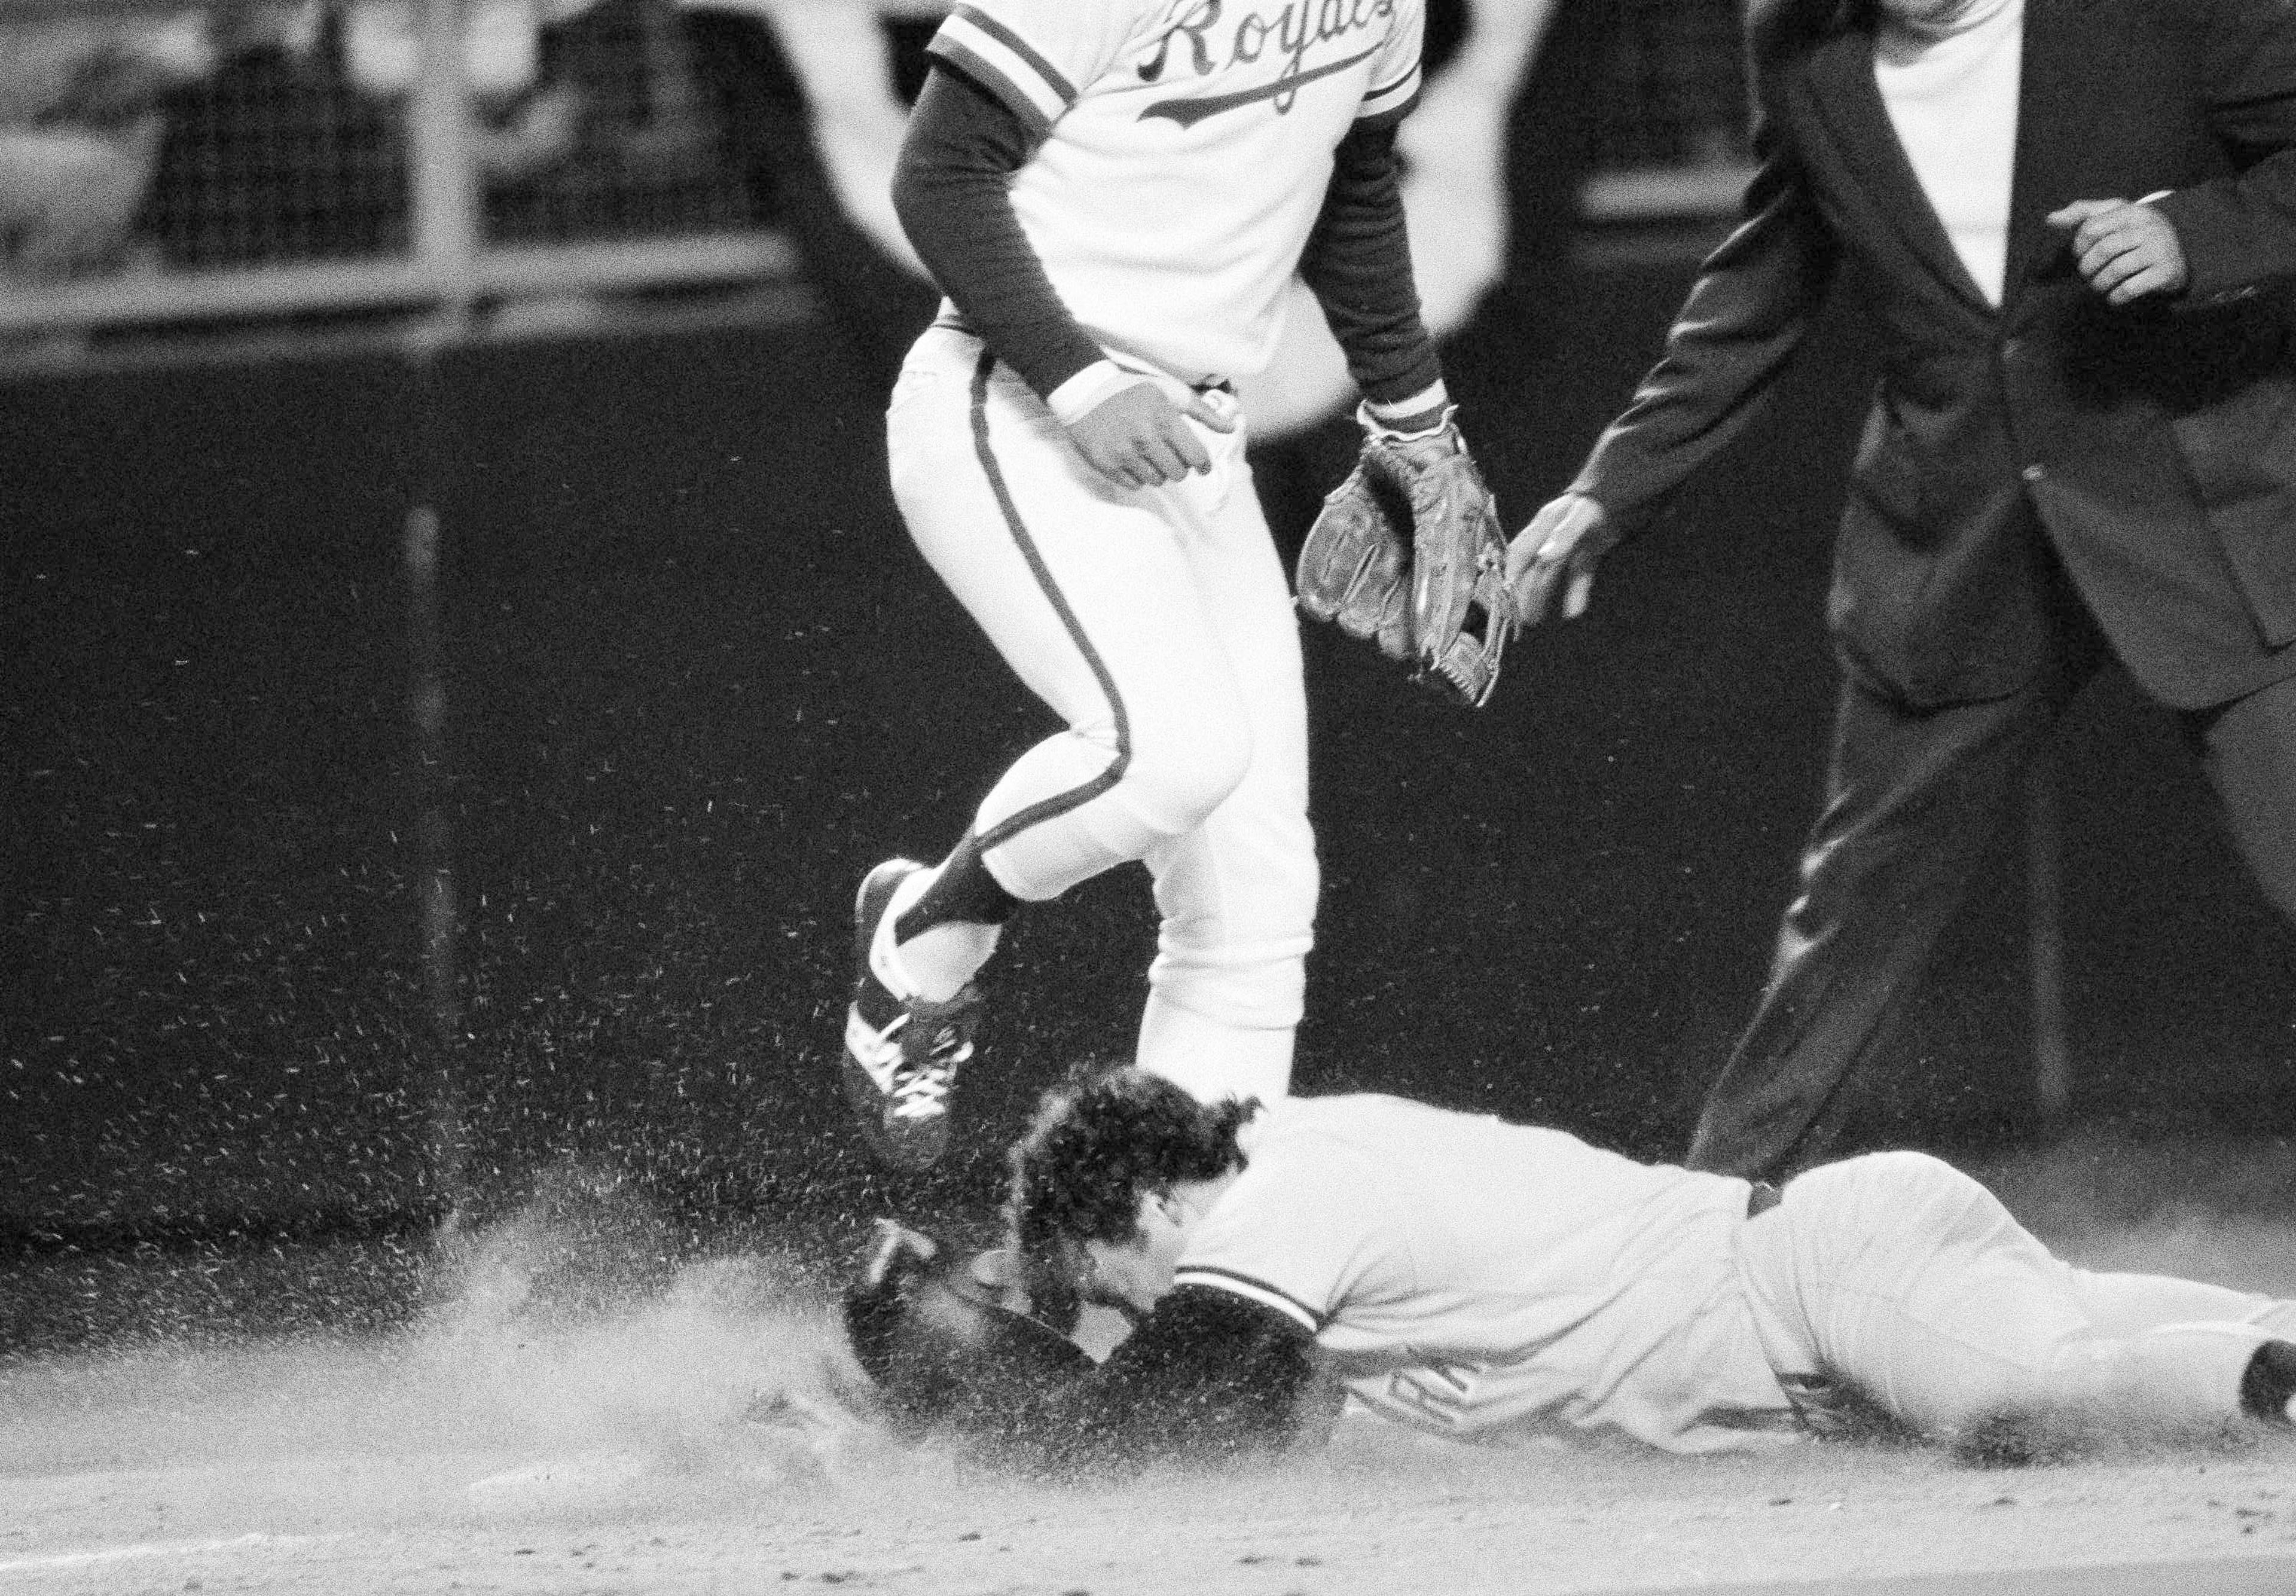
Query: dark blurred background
x=342, y=891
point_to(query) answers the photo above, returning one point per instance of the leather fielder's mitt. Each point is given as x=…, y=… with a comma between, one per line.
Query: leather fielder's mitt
x=934, y=1335
x=1409, y=553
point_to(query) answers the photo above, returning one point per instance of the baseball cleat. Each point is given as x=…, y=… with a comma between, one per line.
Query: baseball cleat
x=902, y=1050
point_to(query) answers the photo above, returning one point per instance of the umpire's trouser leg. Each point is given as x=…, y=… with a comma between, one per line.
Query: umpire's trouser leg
x=2248, y=748
x=1913, y=798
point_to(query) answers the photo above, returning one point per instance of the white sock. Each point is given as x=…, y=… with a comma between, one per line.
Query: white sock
x=936, y=963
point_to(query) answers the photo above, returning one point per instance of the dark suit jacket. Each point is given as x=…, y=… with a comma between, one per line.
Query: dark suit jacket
x=2156, y=444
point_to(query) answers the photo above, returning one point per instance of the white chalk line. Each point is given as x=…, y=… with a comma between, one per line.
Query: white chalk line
x=158, y=1549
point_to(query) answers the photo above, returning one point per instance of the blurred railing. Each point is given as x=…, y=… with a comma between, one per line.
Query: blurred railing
x=1670, y=134
x=165, y=163
x=159, y=164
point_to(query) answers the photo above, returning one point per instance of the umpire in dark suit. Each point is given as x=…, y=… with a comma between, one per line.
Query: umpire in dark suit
x=2094, y=454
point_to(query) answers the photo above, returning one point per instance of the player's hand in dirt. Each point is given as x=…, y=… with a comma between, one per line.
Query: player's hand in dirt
x=899, y=1253
x=2125, y=251
x=1138, y=438
x=1558, y=551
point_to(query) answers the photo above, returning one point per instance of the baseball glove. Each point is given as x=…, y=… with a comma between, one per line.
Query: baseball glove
x=932, y=1333
x=1354, y=568
x=1408, y=553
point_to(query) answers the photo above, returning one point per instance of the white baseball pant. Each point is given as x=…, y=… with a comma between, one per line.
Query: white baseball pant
x=1906, y=1278
x=1158, y=624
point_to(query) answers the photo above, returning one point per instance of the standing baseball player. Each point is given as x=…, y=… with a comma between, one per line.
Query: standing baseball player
x=1114, y=194
x=1496, y=1281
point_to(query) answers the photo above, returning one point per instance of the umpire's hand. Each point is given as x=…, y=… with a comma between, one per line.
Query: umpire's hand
x=1138, y=438
x=1559, y=550
x=2125, y=249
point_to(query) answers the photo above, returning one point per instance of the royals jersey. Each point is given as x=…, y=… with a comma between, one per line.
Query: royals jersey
x=1186, y=149
x=1470, y=1276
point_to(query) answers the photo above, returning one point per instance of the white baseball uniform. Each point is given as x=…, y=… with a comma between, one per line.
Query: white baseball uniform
x=1478, y=1278
x=1185, y=147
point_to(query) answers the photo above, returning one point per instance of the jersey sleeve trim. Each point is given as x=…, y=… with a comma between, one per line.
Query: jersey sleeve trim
x=1006, y=64
x=1257, y=1291
x=1393, y=102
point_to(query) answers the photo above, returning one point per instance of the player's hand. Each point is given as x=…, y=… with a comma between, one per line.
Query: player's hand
x=2125, y=251
x=899, y=1254
x=1558, y=551
x=1138, y=438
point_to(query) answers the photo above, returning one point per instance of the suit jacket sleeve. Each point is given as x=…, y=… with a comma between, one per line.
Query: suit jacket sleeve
x=2239, y=232
x=1744, y=316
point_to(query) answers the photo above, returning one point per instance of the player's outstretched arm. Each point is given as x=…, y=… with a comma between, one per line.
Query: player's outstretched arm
x=1209, y=1376
x=1407, y=550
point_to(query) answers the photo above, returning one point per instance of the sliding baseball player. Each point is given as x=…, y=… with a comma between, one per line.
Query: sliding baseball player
x=1497, y=1281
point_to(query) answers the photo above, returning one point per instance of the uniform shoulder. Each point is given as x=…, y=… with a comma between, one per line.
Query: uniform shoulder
x=1329, y=1125
x=1362, y=1130
x=1341, y=1109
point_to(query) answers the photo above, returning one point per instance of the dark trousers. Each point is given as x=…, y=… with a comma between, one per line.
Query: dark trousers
x=1913, y=798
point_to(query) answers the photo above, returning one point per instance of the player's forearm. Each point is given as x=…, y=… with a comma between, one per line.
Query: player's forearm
x=1358, y=265
x=1207, y=1377
x=950, y=191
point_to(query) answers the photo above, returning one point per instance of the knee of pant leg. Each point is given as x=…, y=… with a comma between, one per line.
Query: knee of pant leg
x=1250, y=975
x=1921, y=1181
x=1246, y=989
x=1917, y=1198
x=1911, y=1167
x=1179, y=774
x=1247, y=876
x=1886, y=1179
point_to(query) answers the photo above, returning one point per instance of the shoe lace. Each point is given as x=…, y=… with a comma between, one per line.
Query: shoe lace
x=919, y=1091
x=920, y=1086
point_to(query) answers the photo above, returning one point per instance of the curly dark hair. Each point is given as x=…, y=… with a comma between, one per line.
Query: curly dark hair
x=1102, y=1138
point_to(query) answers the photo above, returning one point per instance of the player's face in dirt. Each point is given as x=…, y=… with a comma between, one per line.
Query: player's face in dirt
x=1133, y=1275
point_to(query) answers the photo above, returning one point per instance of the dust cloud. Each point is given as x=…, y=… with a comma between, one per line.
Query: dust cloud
x=557, y=1364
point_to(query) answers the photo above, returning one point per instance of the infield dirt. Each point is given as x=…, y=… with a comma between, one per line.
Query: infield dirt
x=700, y=1436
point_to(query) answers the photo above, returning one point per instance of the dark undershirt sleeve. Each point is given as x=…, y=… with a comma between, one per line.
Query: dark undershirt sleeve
x=1358, y=264
x=950, y=191
x=1209, y=1377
